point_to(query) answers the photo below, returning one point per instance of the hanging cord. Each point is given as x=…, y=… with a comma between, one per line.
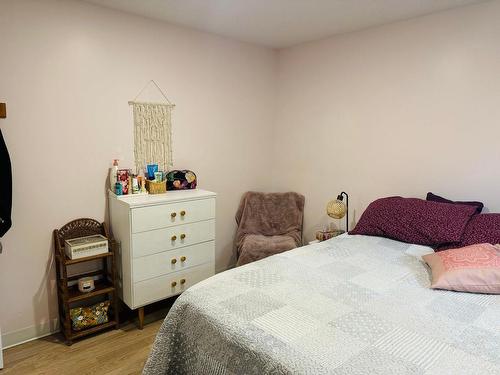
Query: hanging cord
x=159, y=89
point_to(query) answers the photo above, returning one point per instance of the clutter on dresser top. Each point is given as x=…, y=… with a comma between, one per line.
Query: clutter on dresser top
x=149, y=180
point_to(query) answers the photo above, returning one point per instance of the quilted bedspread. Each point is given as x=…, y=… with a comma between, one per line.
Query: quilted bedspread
x=350, y=305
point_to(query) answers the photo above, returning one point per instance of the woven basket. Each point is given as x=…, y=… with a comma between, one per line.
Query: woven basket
x=156, y=187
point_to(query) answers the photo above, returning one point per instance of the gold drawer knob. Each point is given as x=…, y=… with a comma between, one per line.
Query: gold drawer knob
x=174, y=237
x=183, y=281
x=183, y=258
x=173, y=214
x=173, y=261
x=174, y=284
x=183, y=236
x=183, y=213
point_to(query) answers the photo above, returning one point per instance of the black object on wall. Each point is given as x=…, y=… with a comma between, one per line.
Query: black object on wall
x=5, y=188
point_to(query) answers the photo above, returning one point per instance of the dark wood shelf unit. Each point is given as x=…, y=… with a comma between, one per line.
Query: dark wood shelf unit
x=105, y=285
x=101, y=287
x=92, y=330
x=87, y=274
x=68, y=261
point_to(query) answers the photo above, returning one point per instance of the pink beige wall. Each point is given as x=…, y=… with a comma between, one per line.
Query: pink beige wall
x=67, y=71
x=395, y=110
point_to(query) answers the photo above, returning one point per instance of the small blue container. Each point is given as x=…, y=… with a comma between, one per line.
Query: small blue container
x=118, y=188
x=152, y=168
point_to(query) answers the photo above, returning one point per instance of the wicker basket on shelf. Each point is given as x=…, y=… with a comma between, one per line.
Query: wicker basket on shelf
x=156, y=187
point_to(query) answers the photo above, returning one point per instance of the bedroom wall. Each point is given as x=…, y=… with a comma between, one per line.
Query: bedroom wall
x=67, y=71
x=400, y=109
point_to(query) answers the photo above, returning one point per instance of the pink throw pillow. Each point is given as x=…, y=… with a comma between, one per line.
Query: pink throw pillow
x=474, y=268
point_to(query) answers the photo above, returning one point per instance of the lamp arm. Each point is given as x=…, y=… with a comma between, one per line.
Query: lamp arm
x=347, y=210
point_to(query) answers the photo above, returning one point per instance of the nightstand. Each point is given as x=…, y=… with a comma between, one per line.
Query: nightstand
x=323, y=235
x=69, y=296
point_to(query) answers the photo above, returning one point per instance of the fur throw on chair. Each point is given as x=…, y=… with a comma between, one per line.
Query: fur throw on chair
x=268, y=223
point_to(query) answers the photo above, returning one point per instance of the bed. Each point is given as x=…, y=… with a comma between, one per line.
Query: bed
x=349, y=305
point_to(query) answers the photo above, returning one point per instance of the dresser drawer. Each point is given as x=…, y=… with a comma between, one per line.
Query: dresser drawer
x=167, y=215
x=148, y=291
x=172, y=261
x=158, y=240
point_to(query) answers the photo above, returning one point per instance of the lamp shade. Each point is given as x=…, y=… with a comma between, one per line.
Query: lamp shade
x=336, y=209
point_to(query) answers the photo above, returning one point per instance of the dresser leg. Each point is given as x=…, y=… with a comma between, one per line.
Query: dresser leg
x=141, y=317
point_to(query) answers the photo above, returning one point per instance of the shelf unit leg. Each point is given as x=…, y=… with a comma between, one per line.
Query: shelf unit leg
x=140, y=312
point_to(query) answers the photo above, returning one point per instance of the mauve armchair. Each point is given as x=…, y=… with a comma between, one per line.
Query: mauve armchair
x=268, y=224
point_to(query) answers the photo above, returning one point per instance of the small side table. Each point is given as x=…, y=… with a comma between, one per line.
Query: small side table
x=105, y=286
x=323, y=235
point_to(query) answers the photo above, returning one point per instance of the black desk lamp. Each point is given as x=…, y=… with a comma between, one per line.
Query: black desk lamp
x=337, y=209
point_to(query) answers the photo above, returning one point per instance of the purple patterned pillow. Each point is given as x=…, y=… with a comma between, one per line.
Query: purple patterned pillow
x=415, y=220
x=436, y=198
x=483, y=228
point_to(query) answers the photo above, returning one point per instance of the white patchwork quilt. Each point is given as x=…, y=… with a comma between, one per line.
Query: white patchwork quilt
x=350, y=305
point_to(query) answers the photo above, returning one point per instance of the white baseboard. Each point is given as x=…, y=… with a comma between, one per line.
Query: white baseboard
x=23, y=335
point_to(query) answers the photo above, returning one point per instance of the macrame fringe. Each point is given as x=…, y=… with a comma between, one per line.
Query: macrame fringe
x=153, y=135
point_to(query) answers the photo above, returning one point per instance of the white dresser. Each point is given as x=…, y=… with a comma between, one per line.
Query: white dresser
x=167, y=244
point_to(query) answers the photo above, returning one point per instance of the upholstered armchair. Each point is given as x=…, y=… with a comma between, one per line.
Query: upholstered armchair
x=268, y=224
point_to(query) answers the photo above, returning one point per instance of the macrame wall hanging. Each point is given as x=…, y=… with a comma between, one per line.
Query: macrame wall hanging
x=152, y=132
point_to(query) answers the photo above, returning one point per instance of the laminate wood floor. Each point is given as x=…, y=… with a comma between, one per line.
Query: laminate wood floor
x=123, y=351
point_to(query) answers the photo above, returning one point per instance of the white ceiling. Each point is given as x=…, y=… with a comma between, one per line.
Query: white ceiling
x=281, y=23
